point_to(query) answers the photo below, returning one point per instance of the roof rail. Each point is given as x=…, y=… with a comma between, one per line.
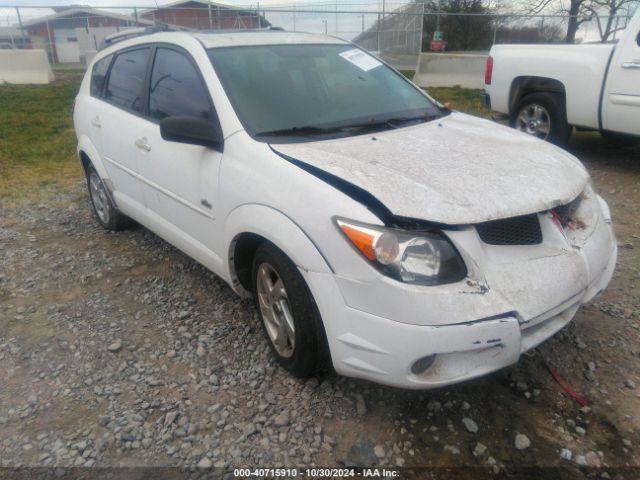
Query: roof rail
x=137, y=32
x=241, y=30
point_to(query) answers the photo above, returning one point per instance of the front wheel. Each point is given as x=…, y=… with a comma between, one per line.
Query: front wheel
x=542, y=115
x=289, y=315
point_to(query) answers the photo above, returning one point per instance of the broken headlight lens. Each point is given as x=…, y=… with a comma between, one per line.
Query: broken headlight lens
x=419, y=258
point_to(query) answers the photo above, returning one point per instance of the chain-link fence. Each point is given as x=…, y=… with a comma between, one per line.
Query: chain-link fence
x=398, y=31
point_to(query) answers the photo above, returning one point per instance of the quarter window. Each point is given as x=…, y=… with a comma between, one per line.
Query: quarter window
x=176, y=87
x=126, y=79
x=99, y=75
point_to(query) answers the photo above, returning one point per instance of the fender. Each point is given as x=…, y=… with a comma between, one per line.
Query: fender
x=86, y=145
x=277, y=228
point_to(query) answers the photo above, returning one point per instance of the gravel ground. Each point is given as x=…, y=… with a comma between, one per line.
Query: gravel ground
x=118, y=350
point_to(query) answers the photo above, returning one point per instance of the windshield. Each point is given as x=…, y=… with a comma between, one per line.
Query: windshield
x=311, y=90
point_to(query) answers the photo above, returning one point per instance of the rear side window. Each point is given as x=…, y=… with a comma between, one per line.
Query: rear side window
x=99, y=75
x=176, y=88
x=124, y=88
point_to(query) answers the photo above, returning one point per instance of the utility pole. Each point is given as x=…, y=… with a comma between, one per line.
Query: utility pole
x=336, y=17
x=294, y=17
x=324, y=22
x=362, y=22
x=210, y=16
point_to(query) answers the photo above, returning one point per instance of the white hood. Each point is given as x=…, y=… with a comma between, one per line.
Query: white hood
x=458, y=170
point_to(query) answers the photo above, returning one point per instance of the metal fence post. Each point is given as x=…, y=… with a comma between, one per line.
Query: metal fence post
x=379, y=45
x=24, y=37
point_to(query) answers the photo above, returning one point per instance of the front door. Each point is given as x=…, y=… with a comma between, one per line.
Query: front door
x=621, y=111
x=180, y=181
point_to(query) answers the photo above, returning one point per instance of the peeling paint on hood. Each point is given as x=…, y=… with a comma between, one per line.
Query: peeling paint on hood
x=457, y=170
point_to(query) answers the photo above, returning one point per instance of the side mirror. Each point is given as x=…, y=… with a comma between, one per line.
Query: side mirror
x=192, y=130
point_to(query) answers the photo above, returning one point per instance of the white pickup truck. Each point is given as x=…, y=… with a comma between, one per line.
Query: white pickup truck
x=546, y=90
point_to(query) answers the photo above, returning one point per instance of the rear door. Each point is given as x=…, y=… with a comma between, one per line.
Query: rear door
x=621, y=109
x=180, y=181
x=122, y=121
x=92, y=105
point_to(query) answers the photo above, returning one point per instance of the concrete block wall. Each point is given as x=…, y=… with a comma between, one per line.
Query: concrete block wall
x=450, y=70
x=25, y=67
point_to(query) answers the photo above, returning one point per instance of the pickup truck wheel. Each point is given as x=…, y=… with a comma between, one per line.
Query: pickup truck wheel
x=542, y=115
x=105, y=211
x=289, y=315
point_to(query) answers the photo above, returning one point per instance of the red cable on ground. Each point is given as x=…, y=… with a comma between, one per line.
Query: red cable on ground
x=556, y=376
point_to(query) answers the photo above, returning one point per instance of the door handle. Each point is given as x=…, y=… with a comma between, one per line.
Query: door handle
x=96, y=122
x=142, y=144
x=634, y=64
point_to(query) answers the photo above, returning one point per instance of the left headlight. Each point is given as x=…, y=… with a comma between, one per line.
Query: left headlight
x=415, y=257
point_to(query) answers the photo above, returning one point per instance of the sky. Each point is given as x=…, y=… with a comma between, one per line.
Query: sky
x=346, y=25
x=323, y=18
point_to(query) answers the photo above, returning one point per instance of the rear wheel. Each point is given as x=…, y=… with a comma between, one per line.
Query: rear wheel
x=103, y=207
x=542, y=115
x=289, y=315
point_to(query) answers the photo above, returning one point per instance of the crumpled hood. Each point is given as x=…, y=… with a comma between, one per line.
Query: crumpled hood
x=458, y=170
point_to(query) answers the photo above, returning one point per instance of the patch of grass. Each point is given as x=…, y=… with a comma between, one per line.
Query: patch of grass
x=467, y=101
x=462, y=99
x=37, y=141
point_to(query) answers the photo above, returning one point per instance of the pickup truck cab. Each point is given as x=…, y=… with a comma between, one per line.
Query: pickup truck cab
x=548, y=89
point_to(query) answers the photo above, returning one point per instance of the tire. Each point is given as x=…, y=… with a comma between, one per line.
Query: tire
x=535, y=110
x=620, y=139
x=307, y=353
x=102, y=205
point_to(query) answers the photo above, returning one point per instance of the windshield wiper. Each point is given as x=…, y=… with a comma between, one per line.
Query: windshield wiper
x=392, y=122
x=304, y=130
x=315, y=130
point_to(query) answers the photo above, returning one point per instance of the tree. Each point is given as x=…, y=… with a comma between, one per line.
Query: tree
x=461, y=32
x=540, y=33
x=611, y=10
x=581, y=11
x=576, y=10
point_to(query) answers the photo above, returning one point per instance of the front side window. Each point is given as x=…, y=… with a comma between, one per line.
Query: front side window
x=99, y=74
x=126, y=79
x=176, y=87
x=307, y=90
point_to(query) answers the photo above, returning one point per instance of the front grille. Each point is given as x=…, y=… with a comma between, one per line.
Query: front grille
x=524, y=230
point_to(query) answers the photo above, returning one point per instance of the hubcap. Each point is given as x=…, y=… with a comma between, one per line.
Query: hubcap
x=534, y=120
x=276, y=313
x=99, y=197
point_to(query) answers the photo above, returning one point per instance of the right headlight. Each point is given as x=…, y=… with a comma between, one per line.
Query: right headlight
x=415, y=257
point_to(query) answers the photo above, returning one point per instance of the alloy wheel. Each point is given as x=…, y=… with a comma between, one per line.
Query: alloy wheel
x=275, y=310
x=535, y=120
x=99, y=197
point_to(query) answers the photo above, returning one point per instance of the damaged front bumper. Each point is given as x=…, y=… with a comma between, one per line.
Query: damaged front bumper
x=380, y=332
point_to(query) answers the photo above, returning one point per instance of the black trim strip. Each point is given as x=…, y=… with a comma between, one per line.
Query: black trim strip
x=602, y=88
x=358, y=194
x=365, y=198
